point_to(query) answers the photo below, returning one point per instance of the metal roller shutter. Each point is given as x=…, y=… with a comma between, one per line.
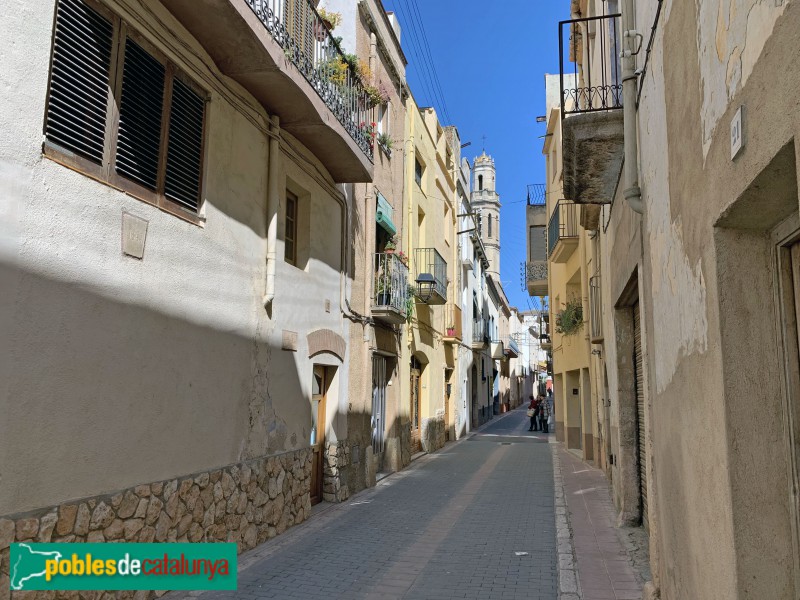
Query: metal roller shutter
x=641, y=439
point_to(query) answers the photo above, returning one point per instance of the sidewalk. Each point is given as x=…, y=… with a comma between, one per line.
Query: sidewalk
x=605, y=569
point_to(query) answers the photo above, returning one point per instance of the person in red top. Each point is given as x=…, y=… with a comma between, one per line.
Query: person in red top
x=533, y=406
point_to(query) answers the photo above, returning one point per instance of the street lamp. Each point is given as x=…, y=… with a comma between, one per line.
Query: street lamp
x=425, y=285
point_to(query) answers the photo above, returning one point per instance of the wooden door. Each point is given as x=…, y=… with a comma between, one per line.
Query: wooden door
x=416, y=373
x=319, y=388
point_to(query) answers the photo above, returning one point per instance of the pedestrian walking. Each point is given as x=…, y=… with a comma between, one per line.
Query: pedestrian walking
x=544, y=413
x=549, y=403
x=533, y=413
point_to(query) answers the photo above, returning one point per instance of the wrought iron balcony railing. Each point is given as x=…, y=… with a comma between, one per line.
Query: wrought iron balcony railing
x=307, y=43
x=537, y=194
x=563, y=224
x=391, y=288
x=596, y=310
x=430, y=276
x=480, y=334
x=594, y=82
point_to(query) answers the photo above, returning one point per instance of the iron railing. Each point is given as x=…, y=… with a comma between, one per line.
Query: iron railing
x=391, y=282
x=596, y=82
x=512, y=349
x=428, y=261
x=596, y=309
x=563, y=224
x=307, y=43
x=537, y=194
x=452, y=321
x=480, y=335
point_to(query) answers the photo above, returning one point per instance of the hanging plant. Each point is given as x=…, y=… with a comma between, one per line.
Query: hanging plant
x=385, y=141
x=330, y=19
x=569, y=320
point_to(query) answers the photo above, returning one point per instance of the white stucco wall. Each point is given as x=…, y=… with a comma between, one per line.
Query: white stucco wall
x=120, y=371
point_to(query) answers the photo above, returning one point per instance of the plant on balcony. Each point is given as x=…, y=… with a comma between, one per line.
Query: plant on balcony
x=330, y=19
x=410, y=295
x=334, y=70
x=368, y=131
x=402, y=257
x=385, y=141
x=569, y=320
x=390, y=246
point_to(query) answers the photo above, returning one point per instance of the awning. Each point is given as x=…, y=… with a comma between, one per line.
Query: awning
x=384, y=214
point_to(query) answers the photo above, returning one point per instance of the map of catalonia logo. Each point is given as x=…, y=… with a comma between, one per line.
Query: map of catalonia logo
x=125, y=566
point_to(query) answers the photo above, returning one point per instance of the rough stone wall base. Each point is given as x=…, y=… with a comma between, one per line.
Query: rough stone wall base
x=245, y=503
x=432, y=434
x=335, y=486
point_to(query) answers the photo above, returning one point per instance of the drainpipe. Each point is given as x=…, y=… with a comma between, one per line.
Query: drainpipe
x=273, y=191
x=631, y=189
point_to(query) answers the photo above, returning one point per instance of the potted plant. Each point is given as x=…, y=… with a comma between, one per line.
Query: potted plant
x=386, y=142
x=390, y=246
x=570, y=319
x=403, y=258
x=330, y=19
x=383, y=291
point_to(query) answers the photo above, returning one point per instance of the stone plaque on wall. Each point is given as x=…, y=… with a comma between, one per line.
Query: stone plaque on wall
x=134, y=233
x=289, y=341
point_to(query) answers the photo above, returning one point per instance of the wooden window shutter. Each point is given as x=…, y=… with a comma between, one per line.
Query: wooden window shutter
x=184, y=146
x=79, y=81
x=140, y=116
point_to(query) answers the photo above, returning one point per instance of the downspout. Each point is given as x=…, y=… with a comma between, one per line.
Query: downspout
x=273, y=191
x=631, y=189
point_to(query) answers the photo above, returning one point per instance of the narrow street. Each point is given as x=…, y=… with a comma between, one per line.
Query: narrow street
x=476, y=520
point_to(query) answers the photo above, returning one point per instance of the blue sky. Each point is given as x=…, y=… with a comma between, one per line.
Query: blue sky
x=490, y=59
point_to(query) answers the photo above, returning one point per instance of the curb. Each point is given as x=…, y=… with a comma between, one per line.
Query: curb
x=569, y=585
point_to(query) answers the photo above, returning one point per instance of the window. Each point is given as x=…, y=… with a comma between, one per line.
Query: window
x=490, y=226
x=128, y=149
x=418, y=172
x=383, y=118
x=480, y=182
x=290, y=235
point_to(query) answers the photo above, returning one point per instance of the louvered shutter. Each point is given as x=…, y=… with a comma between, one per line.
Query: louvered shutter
x=140, y=116
x=184, y=149
x=78, y=100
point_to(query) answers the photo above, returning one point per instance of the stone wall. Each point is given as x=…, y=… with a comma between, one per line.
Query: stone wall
x=432, y=434
x=335, y=486
x=246, y=503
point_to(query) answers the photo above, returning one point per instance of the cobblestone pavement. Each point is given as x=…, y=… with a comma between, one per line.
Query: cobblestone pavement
x=475, y=520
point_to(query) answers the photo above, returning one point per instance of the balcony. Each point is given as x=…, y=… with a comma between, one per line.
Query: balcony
x=536, y=278
x=452, y=324
x=596, y=310
x=511, y=349
x=281, y=52
x=562, y=232
x=480, y=337
x=430, y=276
x=497, y=350
x=391, y=289
x=591, y=103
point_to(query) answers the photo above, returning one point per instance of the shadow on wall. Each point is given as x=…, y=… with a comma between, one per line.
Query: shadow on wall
x=99, y=395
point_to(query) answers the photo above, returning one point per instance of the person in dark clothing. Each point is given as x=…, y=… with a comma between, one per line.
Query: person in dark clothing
x=533, y=411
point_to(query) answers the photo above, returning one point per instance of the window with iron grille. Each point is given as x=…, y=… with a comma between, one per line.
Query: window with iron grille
x=143, y=131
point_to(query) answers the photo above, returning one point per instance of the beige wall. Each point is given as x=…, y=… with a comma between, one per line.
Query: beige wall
x=703, y=264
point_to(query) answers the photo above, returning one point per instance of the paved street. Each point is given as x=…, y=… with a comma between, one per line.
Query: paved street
x=475, y=520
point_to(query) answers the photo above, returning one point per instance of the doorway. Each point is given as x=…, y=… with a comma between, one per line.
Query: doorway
x=414, y=412
x=378, y=420
x=448, y=387
x=319, y=390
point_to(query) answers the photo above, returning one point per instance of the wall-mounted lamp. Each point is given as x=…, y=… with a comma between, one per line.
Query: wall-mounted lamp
x=425, y=285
